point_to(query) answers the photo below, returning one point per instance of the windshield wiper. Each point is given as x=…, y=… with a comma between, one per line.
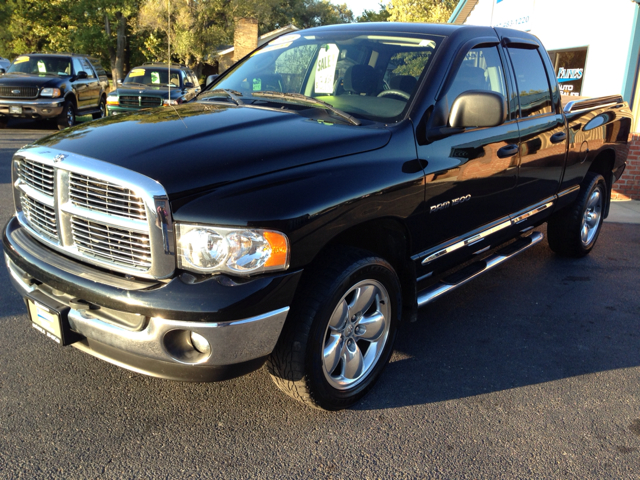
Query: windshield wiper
x=232, y=94
x=298, y=97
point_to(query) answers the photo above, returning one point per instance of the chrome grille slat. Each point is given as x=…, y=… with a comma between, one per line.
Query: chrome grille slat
x=87, y=235
x=94, y=194
x=41, y=217
x=117, y=246
x=37, y=175
x=134, y=240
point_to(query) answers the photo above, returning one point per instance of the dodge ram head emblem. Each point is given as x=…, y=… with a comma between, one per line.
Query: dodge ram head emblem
x=58, y=158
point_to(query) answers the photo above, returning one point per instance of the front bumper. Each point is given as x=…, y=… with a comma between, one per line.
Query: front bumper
x=118, y=110
x=113, y=316
x=38, y=108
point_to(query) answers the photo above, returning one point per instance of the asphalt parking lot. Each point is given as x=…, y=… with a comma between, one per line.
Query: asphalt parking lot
x=531, y=371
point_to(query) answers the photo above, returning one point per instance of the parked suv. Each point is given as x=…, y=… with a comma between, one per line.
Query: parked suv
x=153, y=85
x=4, y=64
x=53, y=86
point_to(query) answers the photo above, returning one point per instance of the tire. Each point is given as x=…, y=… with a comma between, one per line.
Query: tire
x=340, y=332
x=103, y=109
x=4, y=121
x=573, y=231
x=68, y=116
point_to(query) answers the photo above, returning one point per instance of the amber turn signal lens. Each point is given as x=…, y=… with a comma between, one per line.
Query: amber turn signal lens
x=279, y=249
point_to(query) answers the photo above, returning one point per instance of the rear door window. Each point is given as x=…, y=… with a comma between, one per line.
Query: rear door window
x=531, y=81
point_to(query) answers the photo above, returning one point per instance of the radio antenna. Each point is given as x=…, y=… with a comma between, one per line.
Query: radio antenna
x=169, y=63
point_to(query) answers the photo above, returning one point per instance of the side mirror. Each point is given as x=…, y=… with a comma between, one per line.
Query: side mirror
x=2, y=71
x=476, y=108
x=210, y=80
x=119, y=81
x=188, y=85
x=82, y=75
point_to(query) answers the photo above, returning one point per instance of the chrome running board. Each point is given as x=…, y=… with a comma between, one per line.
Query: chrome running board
x=477, y=268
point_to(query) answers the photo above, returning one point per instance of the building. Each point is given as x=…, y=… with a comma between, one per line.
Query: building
x=246, y=40
x=594, y=46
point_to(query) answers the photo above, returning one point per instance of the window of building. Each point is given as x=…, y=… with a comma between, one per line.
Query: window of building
x=569, y=68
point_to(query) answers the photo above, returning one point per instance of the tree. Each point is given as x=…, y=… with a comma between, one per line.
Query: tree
x=305, y=14
x=104, y=30
x=423, y=11
x=373, y=16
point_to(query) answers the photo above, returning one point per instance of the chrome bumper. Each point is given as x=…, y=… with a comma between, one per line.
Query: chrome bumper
x=41, y=107
x=166, y=340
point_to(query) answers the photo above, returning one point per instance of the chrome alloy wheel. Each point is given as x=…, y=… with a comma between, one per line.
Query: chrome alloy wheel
x=71, y=118
x=356, y=334
x=591, y=218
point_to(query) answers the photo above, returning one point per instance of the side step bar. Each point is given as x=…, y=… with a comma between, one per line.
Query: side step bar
x=477, y=268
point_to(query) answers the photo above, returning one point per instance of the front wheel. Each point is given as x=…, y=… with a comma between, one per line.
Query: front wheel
x=341, y=330
x=573, y=231
x=68, y=116
x=103, y=110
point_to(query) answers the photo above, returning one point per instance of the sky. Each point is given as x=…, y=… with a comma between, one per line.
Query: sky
x=358, y=6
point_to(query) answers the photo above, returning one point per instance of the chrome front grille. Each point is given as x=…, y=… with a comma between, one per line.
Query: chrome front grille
x=18, y=92
x=37, y=175
x=40, y=216
x=106, y=197
x=123, y=247
x=136, y=101
x=93, y=211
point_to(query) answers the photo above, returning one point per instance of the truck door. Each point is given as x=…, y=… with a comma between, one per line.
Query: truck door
x=470, y=175
x=80, y=86
x=93, y=85
x=543, y=138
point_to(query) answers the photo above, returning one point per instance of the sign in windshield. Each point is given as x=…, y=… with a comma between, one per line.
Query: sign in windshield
x=153, y=76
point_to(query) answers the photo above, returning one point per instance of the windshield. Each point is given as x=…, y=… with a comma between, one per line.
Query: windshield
x=41, y=65
x=370, y=76
x=153, y=76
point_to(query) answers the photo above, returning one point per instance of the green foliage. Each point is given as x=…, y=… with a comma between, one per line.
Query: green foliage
x=305, y=14
x=373, y=16
x=198, y=27
x=423, y=11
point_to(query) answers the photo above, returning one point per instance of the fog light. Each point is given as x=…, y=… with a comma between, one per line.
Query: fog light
x=200, y=343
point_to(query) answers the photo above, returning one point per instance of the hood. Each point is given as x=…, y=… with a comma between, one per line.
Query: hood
x=149, y=90
x=22, y=80
x=199, y=145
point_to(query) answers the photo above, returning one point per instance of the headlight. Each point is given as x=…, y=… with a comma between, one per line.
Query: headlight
x=112, y=100
x=166, y=103
x=50, y=92
x=239, y=251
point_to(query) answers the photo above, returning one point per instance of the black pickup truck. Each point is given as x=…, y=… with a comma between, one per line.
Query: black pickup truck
x=308, y=203
x=53, y=86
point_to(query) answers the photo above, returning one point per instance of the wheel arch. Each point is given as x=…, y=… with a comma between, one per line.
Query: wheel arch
x=603, y=164
x=390, y=239
x=72, y=97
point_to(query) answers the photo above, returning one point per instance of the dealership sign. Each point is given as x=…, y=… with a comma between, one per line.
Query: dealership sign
x=512, y=14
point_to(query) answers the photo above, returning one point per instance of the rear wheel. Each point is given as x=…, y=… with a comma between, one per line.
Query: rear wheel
x=68, y=116
x=573, y=231
x=4, y=121
x=341, y=330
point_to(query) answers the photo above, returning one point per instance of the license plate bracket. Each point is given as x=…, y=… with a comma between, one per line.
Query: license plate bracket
x=15, y=110
x=50, y=318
